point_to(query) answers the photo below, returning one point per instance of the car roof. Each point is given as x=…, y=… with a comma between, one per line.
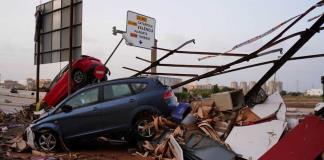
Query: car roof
x=128, y=79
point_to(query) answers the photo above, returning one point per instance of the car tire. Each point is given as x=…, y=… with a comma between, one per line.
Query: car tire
x=140, y=131
x=79, y=77
x=47, y=140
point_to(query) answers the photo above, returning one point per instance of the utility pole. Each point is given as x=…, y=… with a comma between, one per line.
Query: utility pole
x=154, y=55
x=70, y=50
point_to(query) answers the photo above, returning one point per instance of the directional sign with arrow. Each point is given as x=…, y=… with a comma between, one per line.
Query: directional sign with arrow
x=140, y=30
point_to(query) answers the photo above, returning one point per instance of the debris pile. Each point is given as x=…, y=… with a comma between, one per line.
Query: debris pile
x=24, y=116
x=205, y=121
x=212, y=130
x=12, y=126
x=208, y=131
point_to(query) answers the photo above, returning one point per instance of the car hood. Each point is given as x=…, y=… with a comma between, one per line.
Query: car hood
x=42, y=116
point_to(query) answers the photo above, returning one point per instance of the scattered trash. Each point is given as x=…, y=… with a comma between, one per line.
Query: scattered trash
x=228, y=100
x=190, y=119
x=4, y=129
x=292, y=123
x=319, y=109
x=246, y=117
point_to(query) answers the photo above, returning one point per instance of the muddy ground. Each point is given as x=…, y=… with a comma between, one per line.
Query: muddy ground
x=301, y=101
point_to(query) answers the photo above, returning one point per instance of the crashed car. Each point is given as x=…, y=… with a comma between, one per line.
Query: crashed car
x=117, y=106
x=83, y=73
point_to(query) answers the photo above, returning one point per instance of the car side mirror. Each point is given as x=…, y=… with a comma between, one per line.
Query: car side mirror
x=66, y=108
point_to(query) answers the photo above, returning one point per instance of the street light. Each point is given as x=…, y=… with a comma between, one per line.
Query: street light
x=115, y=31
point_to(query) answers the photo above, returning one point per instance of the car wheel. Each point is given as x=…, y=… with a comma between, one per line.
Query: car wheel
x=144, y=128
x=47, y=140
x=78, y=76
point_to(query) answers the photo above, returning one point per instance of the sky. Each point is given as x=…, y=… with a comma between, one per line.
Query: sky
x=215, y=25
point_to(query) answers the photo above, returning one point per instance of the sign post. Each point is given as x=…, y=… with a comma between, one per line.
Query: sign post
x=140, y=30
x=154, y=56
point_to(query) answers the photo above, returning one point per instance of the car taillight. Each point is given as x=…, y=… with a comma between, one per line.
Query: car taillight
x=168, y=94
x=170, y=98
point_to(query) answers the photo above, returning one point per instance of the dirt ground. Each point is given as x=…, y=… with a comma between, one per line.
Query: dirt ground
x=101, y=153
x=301, y=101
x=81, y=151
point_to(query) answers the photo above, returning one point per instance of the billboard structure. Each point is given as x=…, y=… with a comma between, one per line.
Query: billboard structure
x=55, y=31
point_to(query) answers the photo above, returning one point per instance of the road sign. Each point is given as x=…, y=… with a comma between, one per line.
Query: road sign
x=140, y=30
x=55, y=29
x=100, y=72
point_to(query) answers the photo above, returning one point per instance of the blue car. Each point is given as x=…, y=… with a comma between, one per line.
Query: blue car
x=113, y=107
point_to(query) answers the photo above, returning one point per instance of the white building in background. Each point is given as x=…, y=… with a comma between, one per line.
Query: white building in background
x=270, y=87
x=170, y=81
x=279, y=86
x=274, y=86
x=204, y=86
x=234, y=85
x=251, y=84
x=244, y=86
x=314, y=92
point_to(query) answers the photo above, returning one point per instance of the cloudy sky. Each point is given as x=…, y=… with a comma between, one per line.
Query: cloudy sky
x=216, y=25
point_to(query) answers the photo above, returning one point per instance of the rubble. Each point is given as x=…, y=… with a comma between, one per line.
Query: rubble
x=205, y=119
x=18, y=144
x=207, y=132
x=12, y=126
x=228, y=100
x=245, y=132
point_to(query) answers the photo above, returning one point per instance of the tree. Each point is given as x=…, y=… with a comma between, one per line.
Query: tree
x=225, y=89
x=185, y=90
x=283, y=93
x=215, y=89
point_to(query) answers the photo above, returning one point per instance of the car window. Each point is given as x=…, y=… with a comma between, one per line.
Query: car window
x=58, y=76
x=138, y=87
x=84, y=98
x=116, y=91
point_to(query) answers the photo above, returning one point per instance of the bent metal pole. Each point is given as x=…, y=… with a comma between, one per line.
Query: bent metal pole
x=154, y=64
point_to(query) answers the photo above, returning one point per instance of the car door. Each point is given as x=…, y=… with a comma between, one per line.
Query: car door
x=82, y=119
x=119, y=101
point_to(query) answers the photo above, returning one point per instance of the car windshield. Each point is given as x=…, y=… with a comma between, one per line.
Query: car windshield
x=58, y=76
